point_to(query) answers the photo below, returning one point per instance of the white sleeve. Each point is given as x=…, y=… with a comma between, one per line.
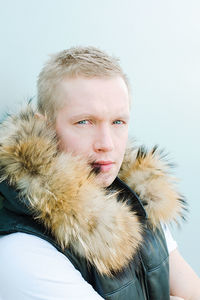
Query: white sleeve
x=32, y=269
x=171, y=243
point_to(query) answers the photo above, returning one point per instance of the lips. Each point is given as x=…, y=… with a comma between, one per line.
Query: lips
x=103, y=166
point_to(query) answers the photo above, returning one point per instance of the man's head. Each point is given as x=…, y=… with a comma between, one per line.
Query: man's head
x=84, y=92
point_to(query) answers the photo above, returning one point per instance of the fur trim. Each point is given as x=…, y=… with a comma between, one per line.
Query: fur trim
x=147, y=173
x=62, y=193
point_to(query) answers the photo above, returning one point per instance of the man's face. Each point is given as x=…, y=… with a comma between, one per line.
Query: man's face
x=93, y=122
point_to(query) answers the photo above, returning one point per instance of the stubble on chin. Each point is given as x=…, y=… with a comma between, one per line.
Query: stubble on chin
x=105, y=179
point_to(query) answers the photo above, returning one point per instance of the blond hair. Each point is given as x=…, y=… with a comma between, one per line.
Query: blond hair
x=88, y=62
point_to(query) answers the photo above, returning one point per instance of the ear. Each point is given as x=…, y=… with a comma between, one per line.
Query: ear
x=40, y=116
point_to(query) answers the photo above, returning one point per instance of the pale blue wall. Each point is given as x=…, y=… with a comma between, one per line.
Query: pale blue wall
x=159, y=46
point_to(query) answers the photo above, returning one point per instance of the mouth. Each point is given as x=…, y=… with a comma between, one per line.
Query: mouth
x=103, y=166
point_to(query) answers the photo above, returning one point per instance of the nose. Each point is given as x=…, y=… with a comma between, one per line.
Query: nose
x=103, y=140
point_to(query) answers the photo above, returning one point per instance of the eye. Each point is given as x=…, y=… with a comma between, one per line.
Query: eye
x=118, y=122
x=82, y=122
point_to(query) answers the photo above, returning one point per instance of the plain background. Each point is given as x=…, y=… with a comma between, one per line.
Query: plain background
x=158, y=43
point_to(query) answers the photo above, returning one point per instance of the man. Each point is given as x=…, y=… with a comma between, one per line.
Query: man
x=72, y=227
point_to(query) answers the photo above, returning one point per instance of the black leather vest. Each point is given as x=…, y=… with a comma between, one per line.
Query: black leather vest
x=145, y=278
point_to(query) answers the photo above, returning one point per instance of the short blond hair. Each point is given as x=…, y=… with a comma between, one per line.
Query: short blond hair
x=88, y=62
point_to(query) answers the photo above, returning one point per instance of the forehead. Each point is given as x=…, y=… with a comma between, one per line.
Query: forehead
x=104, y=95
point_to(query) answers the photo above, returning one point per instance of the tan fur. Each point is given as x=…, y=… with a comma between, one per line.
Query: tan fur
x=63, y=194
x=65, y=197
x=148, y=175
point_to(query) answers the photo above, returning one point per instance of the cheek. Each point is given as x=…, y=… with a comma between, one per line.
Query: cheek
x=121, y=141
x=121, y=148
x=69, y=142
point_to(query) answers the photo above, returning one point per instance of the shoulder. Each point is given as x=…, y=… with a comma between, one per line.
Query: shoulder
x=36, y=269
x=171, y=243
x=18, y=248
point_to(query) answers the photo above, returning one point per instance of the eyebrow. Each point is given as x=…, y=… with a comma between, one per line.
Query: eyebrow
x=81, y=116
x=93, y=116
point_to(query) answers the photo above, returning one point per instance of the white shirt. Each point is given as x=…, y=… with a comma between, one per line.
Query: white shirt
x=32, y=269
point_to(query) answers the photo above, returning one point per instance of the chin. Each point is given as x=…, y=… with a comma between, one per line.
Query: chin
x=105, y=180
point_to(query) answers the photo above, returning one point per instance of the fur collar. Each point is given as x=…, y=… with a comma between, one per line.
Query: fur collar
x=62, y=193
